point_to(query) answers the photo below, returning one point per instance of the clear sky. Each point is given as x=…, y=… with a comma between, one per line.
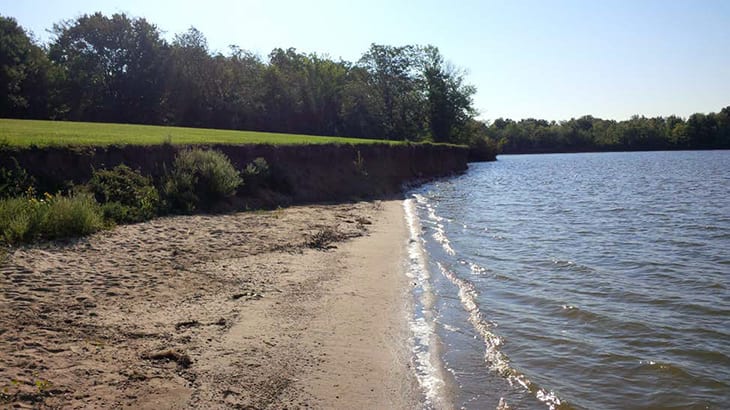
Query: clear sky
x=543, y=59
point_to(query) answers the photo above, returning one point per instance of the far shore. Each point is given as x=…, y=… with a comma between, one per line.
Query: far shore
x=304, y=307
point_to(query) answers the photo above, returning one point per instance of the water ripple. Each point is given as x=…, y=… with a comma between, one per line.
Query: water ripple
x=602, y=277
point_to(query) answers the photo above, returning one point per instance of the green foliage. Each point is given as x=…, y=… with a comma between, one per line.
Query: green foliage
x=483, y=148
x=587, y=133
x=24, y=73
x=257, y=173
x=112, y=68
x=74, y=215
x=24, y=219
x=14, y=182
x=125, y=194
x=199, y=179
x=258, y=167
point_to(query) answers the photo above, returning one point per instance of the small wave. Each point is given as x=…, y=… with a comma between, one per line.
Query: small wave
x=440, y=237
x=586, y=316
x=497, y=361
x=474, y=268
x=571, y=265
x=429, y=369
x=439, y=229
x=703, y=355
x=672, y=370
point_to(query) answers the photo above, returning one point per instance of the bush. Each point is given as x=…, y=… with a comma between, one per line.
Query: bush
x=257, y=173
x=126, y=195
x=482, y=148
x=200, y=178
x=14, y=182
x=29, y=218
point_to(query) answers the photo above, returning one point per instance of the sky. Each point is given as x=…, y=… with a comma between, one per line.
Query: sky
x=550, y=59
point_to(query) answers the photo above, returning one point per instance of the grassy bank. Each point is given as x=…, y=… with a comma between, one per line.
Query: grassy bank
x=26, y=133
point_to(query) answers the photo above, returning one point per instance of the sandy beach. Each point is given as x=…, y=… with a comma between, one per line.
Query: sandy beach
x=303, y=307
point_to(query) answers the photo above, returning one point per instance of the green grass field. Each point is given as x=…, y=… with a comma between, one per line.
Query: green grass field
x=24, y=133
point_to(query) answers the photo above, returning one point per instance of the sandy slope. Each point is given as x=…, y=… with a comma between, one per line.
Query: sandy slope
x=231, y=311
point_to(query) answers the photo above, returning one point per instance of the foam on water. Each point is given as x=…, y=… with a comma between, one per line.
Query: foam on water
x=494, y=357
x=423, y=325
x=428, y=365
x=439, y=232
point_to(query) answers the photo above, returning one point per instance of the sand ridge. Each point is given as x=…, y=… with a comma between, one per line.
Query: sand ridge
x=224, y=311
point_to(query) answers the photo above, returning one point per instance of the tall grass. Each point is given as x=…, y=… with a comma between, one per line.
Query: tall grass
x=26, y=219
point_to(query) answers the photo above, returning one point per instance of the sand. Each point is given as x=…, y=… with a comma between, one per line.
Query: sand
x=226, y=311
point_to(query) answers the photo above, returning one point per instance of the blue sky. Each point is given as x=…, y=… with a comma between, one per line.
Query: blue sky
x=544, y=59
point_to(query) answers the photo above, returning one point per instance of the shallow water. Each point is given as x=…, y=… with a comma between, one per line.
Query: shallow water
x=576, y=281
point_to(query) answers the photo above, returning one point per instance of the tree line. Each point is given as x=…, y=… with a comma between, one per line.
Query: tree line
x=120, y=69
x=587, y=133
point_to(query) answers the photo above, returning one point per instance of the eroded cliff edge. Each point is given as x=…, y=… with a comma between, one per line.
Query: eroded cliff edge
x=299, y=173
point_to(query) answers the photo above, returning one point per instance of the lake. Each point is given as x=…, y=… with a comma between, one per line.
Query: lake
x=593, y=280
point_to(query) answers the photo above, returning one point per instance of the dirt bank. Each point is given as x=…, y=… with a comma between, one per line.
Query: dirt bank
x=301, y=173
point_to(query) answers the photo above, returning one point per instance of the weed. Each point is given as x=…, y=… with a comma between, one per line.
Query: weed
x=3, y=254
x=359, y=164
x=43, y=385
x=323, y=238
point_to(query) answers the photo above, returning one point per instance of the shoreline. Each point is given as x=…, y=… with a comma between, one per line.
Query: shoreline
x=214, y=311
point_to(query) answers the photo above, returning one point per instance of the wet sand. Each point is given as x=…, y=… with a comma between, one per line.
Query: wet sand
x=227, y=311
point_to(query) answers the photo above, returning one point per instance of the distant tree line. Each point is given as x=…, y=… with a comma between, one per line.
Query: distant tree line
x=120, y=69
x=699, y=131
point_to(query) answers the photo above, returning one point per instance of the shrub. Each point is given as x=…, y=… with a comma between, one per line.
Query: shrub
x=258, y=166
x=483, y=148
x=200, y=178
x=24, y=219
x=125, y=194
x=14, y=182
x=257, y=173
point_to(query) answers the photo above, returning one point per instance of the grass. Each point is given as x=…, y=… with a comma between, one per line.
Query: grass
x=28, y=219
x=25, y=133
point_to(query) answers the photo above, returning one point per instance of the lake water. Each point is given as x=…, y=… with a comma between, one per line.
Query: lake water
x=575, y=281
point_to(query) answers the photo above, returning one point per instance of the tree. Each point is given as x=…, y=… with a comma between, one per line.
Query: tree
x=110, y=68
x=190, y=79
x=394, y=74
x=24, y=70
x=361, y=106
x=449, y=99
